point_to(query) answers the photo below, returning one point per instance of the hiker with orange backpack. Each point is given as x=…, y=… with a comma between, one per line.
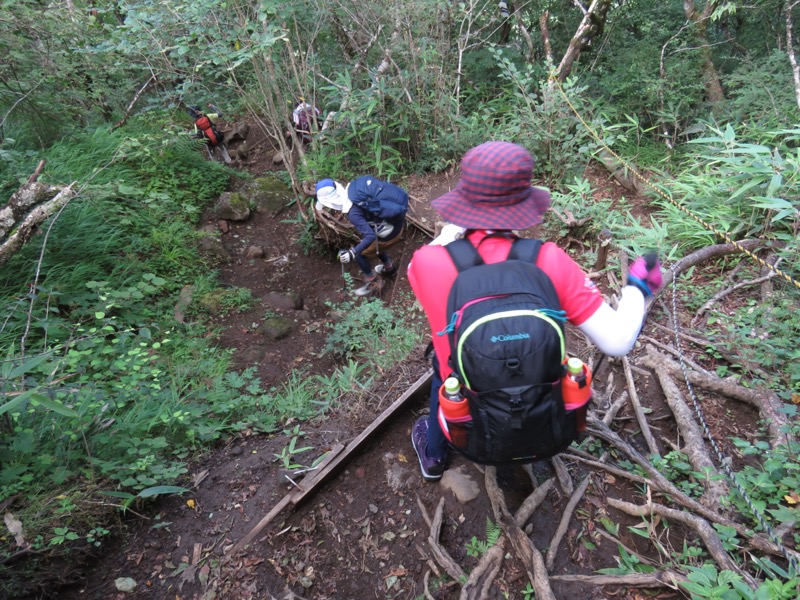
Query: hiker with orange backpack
x=496, y=305
x=205, y=128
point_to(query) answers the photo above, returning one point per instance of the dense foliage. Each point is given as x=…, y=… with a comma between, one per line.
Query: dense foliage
x=99, y=386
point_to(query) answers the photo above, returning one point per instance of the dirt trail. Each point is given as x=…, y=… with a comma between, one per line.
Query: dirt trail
x=364, y=535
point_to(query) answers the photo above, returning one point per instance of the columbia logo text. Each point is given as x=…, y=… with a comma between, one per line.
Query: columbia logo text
x=510, y=337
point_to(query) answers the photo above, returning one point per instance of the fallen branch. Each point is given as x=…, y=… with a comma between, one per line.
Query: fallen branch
x=133, y=102
x=694, y=446
x=25, y=229
x=702, y=527
x=563, y=524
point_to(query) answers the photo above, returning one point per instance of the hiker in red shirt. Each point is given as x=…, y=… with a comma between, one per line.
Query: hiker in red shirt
x=494, y=196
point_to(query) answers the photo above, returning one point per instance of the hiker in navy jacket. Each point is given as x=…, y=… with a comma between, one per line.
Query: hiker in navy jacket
x=377, y=210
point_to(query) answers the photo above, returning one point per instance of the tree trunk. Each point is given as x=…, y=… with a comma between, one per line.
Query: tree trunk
x=790, y=48
x=594, y=19
x=714, y=93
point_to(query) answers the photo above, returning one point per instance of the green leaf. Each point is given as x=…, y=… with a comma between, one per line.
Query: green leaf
x=12, y=404
x=122, y=495
x=38, y=399
x=160, y=490
x=27, y=366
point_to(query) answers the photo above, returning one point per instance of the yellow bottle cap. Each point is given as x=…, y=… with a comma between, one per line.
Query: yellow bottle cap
x=575, y=365
x=451, y=385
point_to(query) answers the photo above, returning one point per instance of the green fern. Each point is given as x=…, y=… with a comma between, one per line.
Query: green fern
x=478, y=548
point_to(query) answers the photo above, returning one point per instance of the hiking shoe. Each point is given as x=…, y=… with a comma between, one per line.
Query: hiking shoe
x=385, y=271
x=432, y=468
x=372, y=285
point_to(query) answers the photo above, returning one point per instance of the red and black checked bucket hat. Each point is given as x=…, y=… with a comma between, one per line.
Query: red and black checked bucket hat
x=494, y=191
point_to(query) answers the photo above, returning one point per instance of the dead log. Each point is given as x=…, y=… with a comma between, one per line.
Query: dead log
x=28, y=208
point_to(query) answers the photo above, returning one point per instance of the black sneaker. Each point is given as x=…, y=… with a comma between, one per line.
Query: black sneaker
x=385, y=271
x=432, y=468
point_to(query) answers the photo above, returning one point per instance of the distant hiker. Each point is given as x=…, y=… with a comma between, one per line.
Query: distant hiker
x=305, y=119
x=205, y=128
x=497, y=317
x=377, y=209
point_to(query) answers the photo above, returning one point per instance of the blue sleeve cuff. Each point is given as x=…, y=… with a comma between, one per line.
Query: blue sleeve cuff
x=639, y=283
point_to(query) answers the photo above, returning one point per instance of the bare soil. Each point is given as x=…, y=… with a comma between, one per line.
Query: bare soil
x=364, y=534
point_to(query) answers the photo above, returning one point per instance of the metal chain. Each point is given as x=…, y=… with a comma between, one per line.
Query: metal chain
x=724, y=461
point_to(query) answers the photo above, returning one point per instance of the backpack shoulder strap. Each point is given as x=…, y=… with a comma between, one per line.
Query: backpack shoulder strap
x=463, y=254
x=525, y=250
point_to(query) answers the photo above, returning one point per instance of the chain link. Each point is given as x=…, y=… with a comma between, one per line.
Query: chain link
x=724, y=461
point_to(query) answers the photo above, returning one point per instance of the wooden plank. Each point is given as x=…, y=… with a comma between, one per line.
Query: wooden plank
x=336, y=459
x=359, y=441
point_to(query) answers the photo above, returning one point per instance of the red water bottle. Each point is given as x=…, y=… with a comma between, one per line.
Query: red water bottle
x=576, y=390
x=453, y=412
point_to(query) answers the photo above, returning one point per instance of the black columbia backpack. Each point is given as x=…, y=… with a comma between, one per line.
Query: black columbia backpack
x=507, y=348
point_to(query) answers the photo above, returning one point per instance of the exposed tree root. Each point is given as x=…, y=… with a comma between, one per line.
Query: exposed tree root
x=700, y=526
x=563, y=524
x=440, y=554
x=532, y=502
x=564, y=479
x=662, y=484
x=527, y=553
x=720, y=295
x=637, y=409
x=673, y=351
x=656, y=579
x=694, y=446
x=767, y=403
x=483, y=575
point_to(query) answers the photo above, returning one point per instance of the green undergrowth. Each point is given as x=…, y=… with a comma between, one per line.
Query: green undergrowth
x=105, y=397
x=102, y=391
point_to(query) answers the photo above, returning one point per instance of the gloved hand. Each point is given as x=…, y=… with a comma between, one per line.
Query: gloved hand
x=645, y=273
x=345, y=256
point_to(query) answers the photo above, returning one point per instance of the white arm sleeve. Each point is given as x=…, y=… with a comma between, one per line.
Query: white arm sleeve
x=614, y=331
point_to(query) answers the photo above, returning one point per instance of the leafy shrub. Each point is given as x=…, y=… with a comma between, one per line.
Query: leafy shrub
x=372, y=332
